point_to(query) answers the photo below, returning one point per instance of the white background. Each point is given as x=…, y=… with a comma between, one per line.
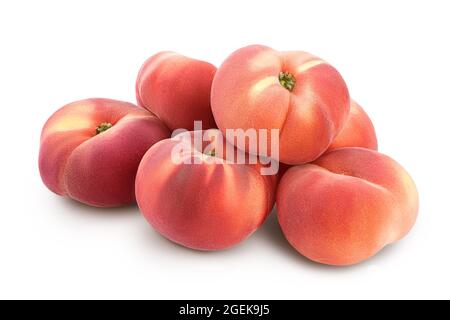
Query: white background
x=394, y=56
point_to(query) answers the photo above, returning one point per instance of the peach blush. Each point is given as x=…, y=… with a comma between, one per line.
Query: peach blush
x=177, y=89
x=346, y=206
x=299, y=94
x=203, y=202
x=358, y=131
x=90, y=150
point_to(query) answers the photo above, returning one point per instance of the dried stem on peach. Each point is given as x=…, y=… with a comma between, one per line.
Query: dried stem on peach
x=287, y=80
x=103, y=127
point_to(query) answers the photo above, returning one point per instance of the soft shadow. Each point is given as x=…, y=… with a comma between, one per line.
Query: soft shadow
x=152, y=235
x=83, y=209
x=155, y=239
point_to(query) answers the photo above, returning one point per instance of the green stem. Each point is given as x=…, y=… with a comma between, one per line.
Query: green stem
x=103, y=127
x=287, y=80
x=211, y=153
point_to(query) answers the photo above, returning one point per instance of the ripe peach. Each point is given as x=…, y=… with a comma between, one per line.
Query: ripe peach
x=358, y=131
x=91, y=149
x=195, y=196
x=177, y=89
x=346, y=206
x=295, y=92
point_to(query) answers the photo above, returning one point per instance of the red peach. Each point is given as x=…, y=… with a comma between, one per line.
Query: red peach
x=177, y=89
x=295, y=92
x=91, y=149
x=358, y=131
x=346, y=206
x=198, y=198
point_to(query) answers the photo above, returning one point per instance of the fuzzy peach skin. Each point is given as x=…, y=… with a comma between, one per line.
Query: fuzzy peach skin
x=346, y=206
x=293, y=91
x=177, y=89
x=81, y=158
x=358, y=131
x=209, y=205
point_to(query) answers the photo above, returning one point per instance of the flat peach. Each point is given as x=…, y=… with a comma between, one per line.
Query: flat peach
x=346, y=206
x=91, y=149
x=197, y=198
x=177, y=89
x=297, y=93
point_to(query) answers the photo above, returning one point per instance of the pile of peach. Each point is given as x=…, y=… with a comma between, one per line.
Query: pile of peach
x=339, y=201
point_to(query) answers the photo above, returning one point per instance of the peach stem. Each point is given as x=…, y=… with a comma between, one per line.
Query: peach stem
x=287, y=80
x=211, y=153
x=103, y=127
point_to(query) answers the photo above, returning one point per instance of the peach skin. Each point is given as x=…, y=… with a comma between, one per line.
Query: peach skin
x=90, y=150
x=358, y=131
x=299, y=94
x=196, y=197
x=177, y=89
x=346, y=206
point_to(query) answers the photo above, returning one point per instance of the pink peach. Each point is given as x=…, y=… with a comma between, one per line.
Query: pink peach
x=177, y=89
x=297, y=93
x=346, y=206
x=199, y=198
x=90, y=150
x=358, y=131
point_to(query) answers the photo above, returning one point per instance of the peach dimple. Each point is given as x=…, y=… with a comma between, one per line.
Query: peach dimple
x=260, y=88
x=90, y=150
x=346, y=206
x=207, y=202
